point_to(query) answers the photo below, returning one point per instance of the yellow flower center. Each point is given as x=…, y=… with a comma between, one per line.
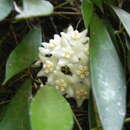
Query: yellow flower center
x=61, y=85
x=75, y=35
x=48, y=66
x=67, y=53
x=81, y=93
x=51, y=45
x=83, y=71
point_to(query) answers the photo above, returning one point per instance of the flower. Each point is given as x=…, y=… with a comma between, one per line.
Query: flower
x=65, y=62
x=83, y=71
x=61, y=84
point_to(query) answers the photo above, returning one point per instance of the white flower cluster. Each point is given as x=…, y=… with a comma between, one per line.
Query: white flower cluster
x=65, y=63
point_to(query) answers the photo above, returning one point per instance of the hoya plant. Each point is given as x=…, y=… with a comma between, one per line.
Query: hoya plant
x=64, y=65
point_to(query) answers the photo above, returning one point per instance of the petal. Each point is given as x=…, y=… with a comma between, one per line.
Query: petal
x=18, y=9
x=44, y=44
x=44, y=51
x=41, y=73
x=70, y=29
x=62, y=62
x=84, y=33
x=37, y=63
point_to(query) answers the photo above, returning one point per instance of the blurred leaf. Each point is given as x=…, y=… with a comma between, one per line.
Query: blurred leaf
x=2, y=111
x=107, y=77
x=17, y=114
x=111, y=31
x=50, y=111
x=87, y=11
x=109, y=1
x=128, y=59
x=128, y=53
x=124, y=17
x=127, y=41
x=34, y=8
x=92, y=114
x=98, y=3
x=5, y=8
x=24, y=54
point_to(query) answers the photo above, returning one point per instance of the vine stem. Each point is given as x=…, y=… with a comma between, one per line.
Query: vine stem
x=66, y=13
x=62, y=4
x=76, y=120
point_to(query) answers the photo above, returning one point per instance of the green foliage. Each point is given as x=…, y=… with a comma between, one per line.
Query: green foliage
x=124, y=18
x=5, y=8
x=24, y=54
x=87, y=11
x=128, y=59
x=107, y=77
x=110, y=1
x=98, y=3
x=31, y=8
x=49, y=110
x=34, y=8
x=92, y=114
x=128, y=54
x=17, y=114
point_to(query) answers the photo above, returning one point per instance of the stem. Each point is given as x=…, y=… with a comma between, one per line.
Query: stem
x=62, y=4
x=76, y=120
x=127, y=120
x=4, y=102
x=67, y=13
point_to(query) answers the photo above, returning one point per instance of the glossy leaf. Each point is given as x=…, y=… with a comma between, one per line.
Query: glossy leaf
x=5, y=8
x=87, y=11
x=34, y=8
x=24, y=54
x=124, y=17
x=50, y=111
x=17, y=114
x=107, y=77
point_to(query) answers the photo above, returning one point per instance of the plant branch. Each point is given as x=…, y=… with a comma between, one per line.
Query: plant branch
x=62, y=4
x=66, y=13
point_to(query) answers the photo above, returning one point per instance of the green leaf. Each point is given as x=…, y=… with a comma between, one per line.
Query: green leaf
x=109, y=1
x=98, y=3
x=17, y=114
x=24, y=54
x=113, y=37
x=128, y=60
x=128, y=53
x=92, y=113
x=124, y=17
x=5, y=8
x=34, y=8
x=127, y=42
x=50, y=111
x=107, y=77
x=2, y=111
x=87, y=11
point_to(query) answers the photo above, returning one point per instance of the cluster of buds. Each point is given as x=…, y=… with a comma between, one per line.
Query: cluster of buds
x=65, y=62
